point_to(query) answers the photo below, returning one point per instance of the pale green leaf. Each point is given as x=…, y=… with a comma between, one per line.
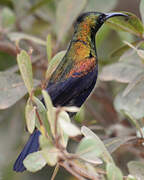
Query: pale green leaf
x=34, y=161
x=42, y=113
x=113, y=172
x=50, y=110
x=69, y=128
x=25, y=66
x=66, y=13
x=17, y=36
x=54, y=63
x=30, y=116
x=136, y=169
x=130, y=177
x=93, y=146
x=49, y=152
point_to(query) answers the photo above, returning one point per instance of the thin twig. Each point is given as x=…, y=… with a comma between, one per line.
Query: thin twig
x=55, y=171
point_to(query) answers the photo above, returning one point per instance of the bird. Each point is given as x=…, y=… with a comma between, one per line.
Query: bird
x=75, y=77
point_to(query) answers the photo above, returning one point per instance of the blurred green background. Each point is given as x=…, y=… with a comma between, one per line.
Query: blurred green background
x=42, y=17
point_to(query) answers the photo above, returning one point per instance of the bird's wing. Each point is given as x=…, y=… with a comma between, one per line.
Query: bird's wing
x=79, y=81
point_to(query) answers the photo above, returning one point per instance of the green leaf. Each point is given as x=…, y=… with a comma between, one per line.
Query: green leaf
x=43, y=115
x=142, y=9
x=102, y=5
x=49, y=47
x=66, y=13
x=91, y=146
x=25, y=66
x=136, y=168
x=49, y=152
x=50, y=110
x=80, y=115
x=7, y=17
x=17, y=36
x=132, y=24
x=69, y=128
x=34, y=161
x=130, y=177
x=113, y=172
x=30, y=115
x=54, y=63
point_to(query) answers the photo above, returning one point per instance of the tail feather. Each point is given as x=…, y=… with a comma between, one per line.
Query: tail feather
x=31, y=146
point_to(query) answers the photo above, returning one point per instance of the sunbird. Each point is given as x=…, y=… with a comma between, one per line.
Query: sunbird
x=76, y=75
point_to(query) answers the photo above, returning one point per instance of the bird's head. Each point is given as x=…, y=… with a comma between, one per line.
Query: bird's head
x=92, y=21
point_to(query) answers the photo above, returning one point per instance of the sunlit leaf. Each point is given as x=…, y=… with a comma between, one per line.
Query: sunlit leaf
x=113, y=172
x=69, y=128
x=25, y=66
x=30, y=116
x=66, y=13
x=54, y=63
x=8, y=17
x=131, y=24
x=91, y=145
x=34, y=161
x=71, y=109
x=17, y=36
x=42, y=113
x=49, y=152
x=49, y=47
x=136, y=168
x=130, y=177
x=102, y=5
x=50, y=110
x=142, y=9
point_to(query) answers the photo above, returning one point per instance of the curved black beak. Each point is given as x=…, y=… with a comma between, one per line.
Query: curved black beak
x=109, y=15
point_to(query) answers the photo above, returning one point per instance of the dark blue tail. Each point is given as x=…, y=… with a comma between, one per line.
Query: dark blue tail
x=31, y=146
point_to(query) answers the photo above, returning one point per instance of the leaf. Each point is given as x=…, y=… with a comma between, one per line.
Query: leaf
x=43, y=115
x=120, y=72
x=7, y=17
x=120, y=51
x=132, y=24
x=133, y=83
x=142, y=9
x=66, y=13
x=50, y=110
x=130, y=177
x=136, y=168
x=63, y=136
x=54, y=63
x=113, y=172
x=49, y=152
x=12, y=89
x=49, y=47
x=133, y=102
x=71, y=109
x=30, y=115
x=103, y=5
x=69, y=128
x=17, y=36
x=34, y=161
x=92, y=146
x=112, y=144
x=25, y=66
